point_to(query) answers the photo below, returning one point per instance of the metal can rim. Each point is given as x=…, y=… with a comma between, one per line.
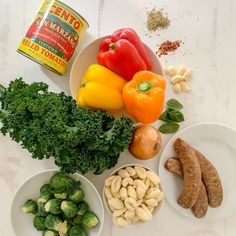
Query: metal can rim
x=39, y=62
x=74, y=12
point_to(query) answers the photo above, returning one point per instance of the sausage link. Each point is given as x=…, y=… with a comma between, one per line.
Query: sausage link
x=200, y=207
x=211, y=180
x=192, y=173
x=173, y=165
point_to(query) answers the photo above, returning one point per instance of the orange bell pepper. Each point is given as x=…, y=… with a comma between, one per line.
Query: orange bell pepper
x=144, y=96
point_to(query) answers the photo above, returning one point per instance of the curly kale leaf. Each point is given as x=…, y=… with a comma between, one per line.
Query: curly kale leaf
x=51, y=125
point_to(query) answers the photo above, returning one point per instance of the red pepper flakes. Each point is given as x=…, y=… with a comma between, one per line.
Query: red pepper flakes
x=168, y=46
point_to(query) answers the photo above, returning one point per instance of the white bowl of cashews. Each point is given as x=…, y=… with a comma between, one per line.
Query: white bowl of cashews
x=132, y=193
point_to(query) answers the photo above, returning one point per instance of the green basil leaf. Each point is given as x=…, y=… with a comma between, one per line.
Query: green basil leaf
x=165, y=117
x=169, y=128
x=176, y=115
x=174, y=104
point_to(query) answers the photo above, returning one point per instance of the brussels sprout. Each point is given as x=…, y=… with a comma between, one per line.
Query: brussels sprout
x=63, y=228
x=58, y=182
x=30, y=206
x=53, y=222
x=83, y=207
x=45, y=193
x=53, y=206
x=89, y=219
x=39, y=223
x=50, y=233
x=77, y=220
x=77, y=230
x=61, y=196
x=41, y=209
x=76, y=196
x=71, y=185
x=68, y=230
x=69, y=209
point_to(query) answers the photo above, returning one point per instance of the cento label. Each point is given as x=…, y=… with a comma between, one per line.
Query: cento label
x=53, y=36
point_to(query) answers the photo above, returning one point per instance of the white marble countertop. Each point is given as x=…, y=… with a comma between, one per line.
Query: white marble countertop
x=208, y=31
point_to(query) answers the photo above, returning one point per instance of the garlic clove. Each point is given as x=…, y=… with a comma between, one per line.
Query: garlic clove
x=177, y=88
x=184, y=86
x=181, y=70
x=188, y=74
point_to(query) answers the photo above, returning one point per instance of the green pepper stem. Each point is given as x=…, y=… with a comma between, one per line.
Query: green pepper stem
x=84, y=83
x=112, y=46
x=144, y=86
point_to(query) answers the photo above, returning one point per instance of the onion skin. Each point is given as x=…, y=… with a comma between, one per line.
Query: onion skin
x=146, y=142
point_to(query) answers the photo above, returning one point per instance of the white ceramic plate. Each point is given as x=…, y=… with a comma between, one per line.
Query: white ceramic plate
x=218, y=143
x=23, y=223
x=88, y=56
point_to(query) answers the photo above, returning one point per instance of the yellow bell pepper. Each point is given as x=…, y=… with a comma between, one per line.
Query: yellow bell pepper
x=101, y=88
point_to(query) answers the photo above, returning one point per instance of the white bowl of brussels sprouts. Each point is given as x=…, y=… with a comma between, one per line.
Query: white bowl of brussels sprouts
x=57, y=205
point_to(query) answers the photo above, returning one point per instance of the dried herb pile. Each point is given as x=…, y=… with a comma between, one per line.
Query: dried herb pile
x=157, y=20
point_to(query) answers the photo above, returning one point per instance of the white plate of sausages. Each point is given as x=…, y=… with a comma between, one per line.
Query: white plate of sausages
x=201, y=185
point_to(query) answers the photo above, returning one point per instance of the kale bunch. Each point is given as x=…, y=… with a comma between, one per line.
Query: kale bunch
x=48, y=125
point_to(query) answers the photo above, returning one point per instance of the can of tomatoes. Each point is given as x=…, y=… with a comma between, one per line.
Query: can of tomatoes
x=53, y=36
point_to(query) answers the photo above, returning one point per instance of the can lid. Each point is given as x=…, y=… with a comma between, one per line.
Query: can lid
x=74, y=11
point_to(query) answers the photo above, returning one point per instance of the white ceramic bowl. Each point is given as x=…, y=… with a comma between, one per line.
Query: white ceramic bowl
x=88, y=56
x=122, y=167
x=23, y=223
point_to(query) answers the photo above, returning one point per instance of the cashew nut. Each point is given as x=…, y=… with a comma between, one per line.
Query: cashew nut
x=123, y=193
x=141, y=172
x=130, y=203
x=139, y=202
x=160, y=196
x=140, y=192
x=115, y=204
x=129, y=221
x=135, y=176
x=123, y=173
x=116, y=194
x=120, y=212
x=140, y=183
x=143, y=214
x=107, y=192
x=135, y=218
x=151, y=209
x=153, y=177
x=131, y=192
x=147, y=210
x=109, y=180
x=127, y=181
x=147, y=183
x=120, y=221
x=130, y=170
x=152, y=202
x=129, y=214
x=116, y=184
x=152, y=193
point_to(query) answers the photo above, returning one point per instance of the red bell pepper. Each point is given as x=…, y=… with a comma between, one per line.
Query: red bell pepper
x=124, y=53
